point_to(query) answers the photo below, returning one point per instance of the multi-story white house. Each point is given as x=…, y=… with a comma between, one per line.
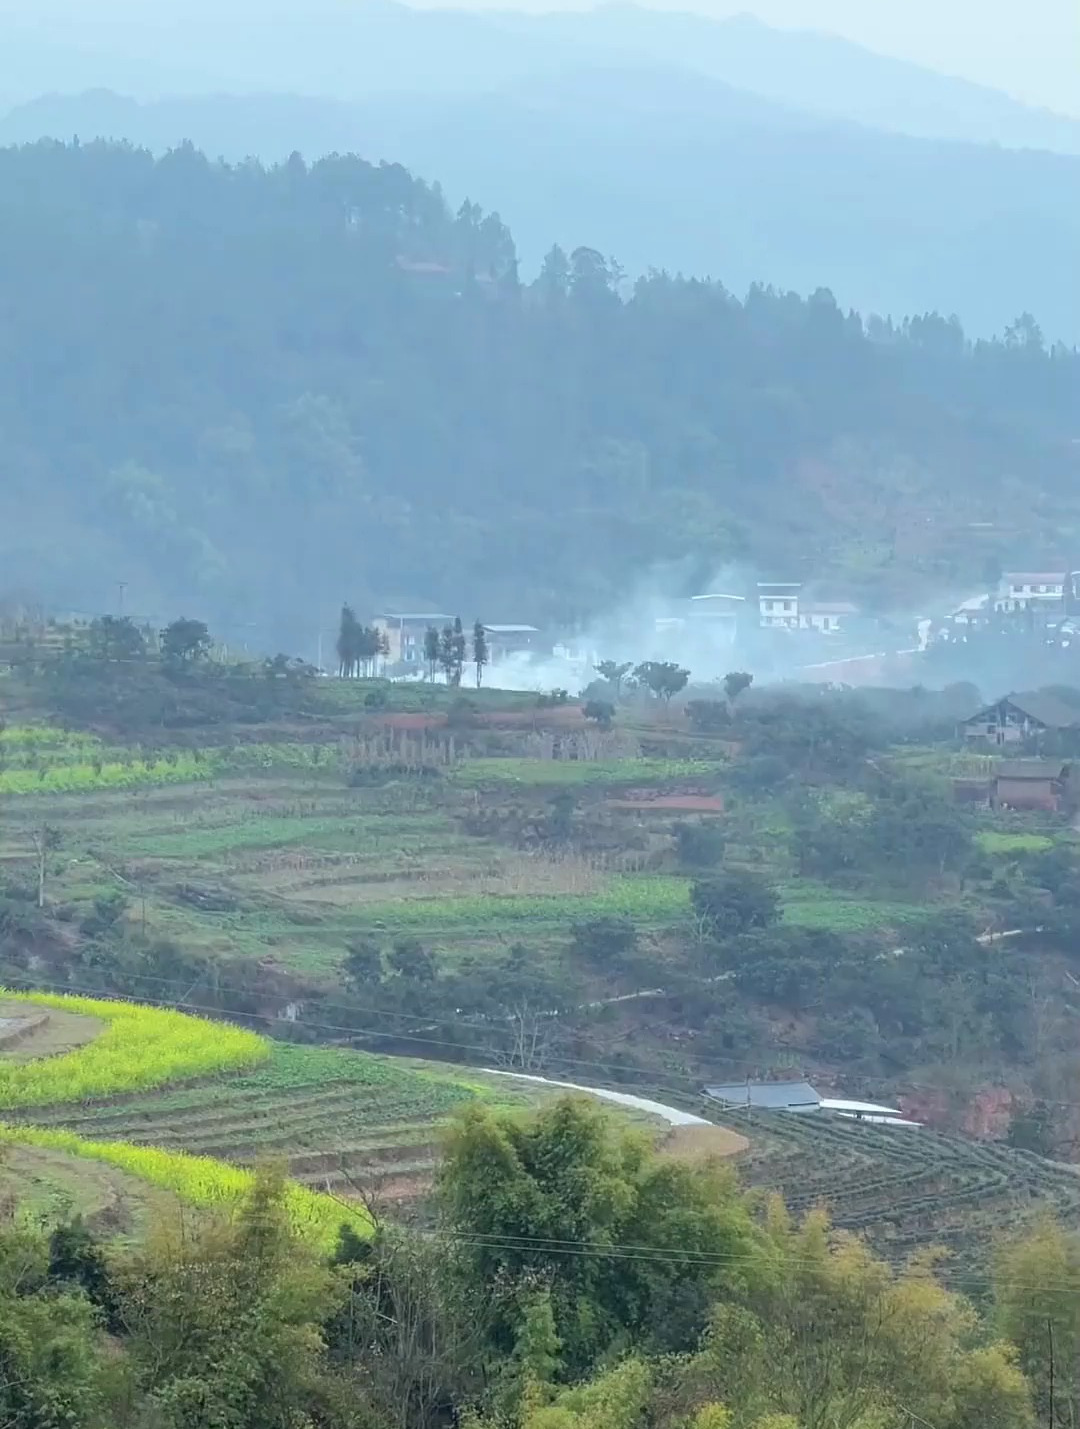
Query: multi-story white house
x=778, y=604
x=1034, y=590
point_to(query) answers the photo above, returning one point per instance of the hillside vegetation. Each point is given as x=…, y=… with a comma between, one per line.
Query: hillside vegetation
x=247, y=392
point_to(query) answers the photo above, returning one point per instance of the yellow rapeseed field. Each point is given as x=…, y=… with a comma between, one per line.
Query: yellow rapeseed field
x=199, y=1180
x=140, y=1047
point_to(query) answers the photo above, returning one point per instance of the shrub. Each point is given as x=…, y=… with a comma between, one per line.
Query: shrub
x=602, y=712
x=708, y=716
x=605, y=939
x=735, y=902
x=700, y=845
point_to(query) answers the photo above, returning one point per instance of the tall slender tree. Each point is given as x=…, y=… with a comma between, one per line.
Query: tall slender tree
x=348, y=642
x=446, y=652
x=480, y=653
x=431, y=651
x=459, y=647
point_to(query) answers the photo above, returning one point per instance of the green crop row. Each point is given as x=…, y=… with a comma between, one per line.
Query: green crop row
x=993, y=841
x=140, y=1047
x=104, y=775
x=200, y=1180
x=43, y=736
x=652, y=898
x=570, y=772
x=90, y=772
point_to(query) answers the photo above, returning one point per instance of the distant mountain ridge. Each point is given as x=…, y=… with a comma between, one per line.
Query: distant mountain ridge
x=664, y=168
x=813, y=71
x=348, y=51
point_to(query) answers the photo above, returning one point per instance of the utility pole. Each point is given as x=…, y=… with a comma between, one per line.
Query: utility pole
x=121, y=587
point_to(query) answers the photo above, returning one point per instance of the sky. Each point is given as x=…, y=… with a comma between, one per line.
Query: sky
x=1029, y=48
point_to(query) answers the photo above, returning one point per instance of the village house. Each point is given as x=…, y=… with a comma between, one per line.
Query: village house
x=505, y=641
x=1045, y=591
x=1034, y=784
x=778, y=604
x=827, y=616
x=1018, y=720
x=718, y=613
x=404, y=632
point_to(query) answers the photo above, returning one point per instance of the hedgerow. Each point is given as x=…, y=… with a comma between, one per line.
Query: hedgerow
x=141, y=1047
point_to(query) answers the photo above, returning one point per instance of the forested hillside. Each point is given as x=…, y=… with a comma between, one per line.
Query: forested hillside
x=249, y=393
x=698, y=176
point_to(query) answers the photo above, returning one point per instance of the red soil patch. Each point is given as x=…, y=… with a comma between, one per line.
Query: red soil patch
x=681, y=803
x=555, y=716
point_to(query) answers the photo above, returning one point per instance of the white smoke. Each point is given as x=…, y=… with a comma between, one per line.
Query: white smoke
x=656, y=620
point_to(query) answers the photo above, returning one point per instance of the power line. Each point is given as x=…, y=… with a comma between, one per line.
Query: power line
x=423, y=1022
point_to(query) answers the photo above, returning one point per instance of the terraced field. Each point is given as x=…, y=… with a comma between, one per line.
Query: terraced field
x=145, y=1105
x=906, y=1188
x=339, y=1119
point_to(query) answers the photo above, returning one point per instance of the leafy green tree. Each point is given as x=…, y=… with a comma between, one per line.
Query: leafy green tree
x=735, y=682
x=116, y=637
x=53, y=1368
x=411, y=960
x=1036, y=1289
x=519, y=1193
x=222, y=1320
x=480, y=652
x=832, y=1337
x=734, y=902
x=363, y=966
x=1033, y=1130
x=185, y=642
x=614, y=673
x=663, y=677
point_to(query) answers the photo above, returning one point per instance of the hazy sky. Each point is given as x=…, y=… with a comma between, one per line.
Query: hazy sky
x=1031, y=48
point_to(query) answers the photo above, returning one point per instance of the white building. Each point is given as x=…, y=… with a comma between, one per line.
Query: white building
x=1033, y=590
x=778, y=604
x=827, y=616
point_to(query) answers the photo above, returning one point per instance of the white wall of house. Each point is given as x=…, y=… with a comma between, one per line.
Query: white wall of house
x=1017, y=592
x=818, y=620
x=779, y=611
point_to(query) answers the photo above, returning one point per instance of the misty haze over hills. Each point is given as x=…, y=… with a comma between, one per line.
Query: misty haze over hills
x=342, y=50
x=617, y=129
